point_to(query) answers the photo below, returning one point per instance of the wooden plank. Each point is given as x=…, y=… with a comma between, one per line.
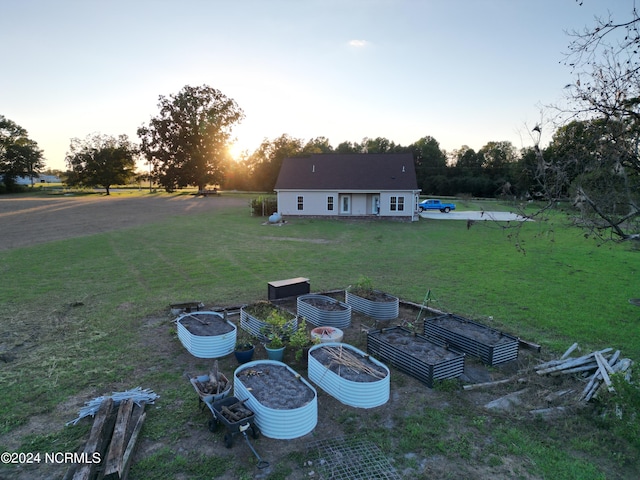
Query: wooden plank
x=604, y=370
x=113, y=461
x=128, y=454
x=98, y=439
x=473, y=386
x=569, y=351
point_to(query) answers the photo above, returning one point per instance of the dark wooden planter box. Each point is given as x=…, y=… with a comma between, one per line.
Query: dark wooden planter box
x=491, y=346
x=426, y=359
x=288, y=288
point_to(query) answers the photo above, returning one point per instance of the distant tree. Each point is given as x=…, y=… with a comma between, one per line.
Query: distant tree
x=467, y=162
x=348, y=148
x=589, y=160
x=378, y=145
x=431, y=166
x=100, y=160
x=266, y=161
x=19, y=155
x=497, y=160
x=317, y=145
x=187, y=142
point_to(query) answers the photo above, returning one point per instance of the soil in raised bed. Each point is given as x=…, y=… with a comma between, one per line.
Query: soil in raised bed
x=375, y=296
x=275, y=386
x=354, y=367
x=205, y=325
x=482, y=334
x=321, y=304
x=415, y=346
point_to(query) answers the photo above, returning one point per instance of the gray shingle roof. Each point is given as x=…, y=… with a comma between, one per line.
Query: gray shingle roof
x=362, y=171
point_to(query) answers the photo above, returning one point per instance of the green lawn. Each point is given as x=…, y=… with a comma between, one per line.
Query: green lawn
x=72, y=309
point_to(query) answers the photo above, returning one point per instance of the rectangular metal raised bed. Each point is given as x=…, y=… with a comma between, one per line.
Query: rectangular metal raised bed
x=426, y=359
x=490, y=345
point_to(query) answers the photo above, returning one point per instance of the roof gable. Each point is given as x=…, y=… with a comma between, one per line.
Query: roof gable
x=362, y=171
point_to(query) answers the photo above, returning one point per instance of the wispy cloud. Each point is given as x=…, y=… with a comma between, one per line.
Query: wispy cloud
x=358, y=43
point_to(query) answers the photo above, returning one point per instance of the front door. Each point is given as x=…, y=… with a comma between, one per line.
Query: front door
x=375, y=204
x=345, y=204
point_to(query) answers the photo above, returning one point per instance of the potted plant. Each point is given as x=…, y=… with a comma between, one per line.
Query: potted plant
x=277, y=332
x=244, y=347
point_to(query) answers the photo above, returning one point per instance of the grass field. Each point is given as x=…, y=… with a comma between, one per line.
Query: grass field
x=72, y=315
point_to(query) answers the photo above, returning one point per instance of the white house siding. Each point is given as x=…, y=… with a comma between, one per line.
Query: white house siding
x=361, y=203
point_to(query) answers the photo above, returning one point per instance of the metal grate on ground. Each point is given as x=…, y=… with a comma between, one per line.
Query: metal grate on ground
x=344, y=458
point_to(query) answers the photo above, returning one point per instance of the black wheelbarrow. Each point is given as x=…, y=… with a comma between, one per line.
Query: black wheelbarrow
x=236, y=418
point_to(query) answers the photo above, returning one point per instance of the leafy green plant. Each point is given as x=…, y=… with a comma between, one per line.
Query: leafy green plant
x=244, y=340
x=301, y=340
x=363, y=287
x=277, y=329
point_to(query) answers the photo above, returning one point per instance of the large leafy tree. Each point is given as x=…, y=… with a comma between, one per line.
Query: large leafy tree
x=187, y=142
x=265, y=162
x=19, y=155
x=431, y=166
x=100, y=160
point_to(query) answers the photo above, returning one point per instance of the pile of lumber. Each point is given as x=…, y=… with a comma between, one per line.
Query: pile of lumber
x=596, y=367
x=113, y=436
x=236, y=412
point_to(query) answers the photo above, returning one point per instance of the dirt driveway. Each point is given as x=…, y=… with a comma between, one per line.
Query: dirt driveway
x=26, y=221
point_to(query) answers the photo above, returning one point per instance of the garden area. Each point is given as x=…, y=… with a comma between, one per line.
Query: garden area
x=86, y=311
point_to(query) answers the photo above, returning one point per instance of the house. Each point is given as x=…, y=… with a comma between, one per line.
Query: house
x=354, y=186
x=37, y=178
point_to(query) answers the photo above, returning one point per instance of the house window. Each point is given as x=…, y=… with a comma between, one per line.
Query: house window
x=300, y=202
x=397, y=204
x=330, y=204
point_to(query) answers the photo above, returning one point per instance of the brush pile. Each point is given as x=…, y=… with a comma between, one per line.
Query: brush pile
x=596, y=367
x=214, y=383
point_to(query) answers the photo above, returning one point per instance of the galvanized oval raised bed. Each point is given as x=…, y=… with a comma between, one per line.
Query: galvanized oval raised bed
x=206, y=334
x=270, y=390
x=324, y=311
x=386, y=307
x=349, y=375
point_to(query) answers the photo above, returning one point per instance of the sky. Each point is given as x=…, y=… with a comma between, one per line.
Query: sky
x=465, y=72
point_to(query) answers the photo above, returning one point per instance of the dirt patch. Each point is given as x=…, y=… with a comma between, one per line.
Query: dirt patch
x=29, y=221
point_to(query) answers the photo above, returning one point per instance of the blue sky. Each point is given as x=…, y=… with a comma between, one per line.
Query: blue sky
x=465, y=72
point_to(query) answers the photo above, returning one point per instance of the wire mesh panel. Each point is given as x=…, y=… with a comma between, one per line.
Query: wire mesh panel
x=351, y=459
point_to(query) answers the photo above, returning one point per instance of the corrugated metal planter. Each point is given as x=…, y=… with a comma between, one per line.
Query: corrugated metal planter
x=364, y=387
x=324, y=311
x=256, y=326
x=206, y=334
x=385, y=307
x=426, y=359
x=491, y=346
x=284, y=403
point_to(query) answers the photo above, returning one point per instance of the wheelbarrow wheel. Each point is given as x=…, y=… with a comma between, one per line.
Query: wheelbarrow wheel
x=255, y=433
x=213, y=425
x=228, y=440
